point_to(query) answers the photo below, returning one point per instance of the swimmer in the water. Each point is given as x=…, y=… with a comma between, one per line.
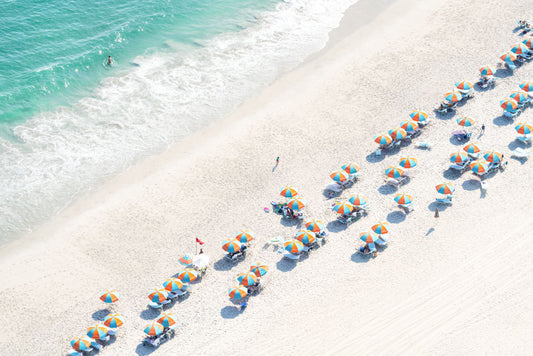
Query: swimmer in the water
x=109, y=61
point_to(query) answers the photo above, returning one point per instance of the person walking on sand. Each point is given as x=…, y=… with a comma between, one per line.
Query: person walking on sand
x=277, y=160
x=483, y=129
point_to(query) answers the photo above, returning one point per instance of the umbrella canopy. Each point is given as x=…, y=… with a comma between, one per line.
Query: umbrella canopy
x=173, y=284
x=508, y=57
x=464, y=85
x=306, y=237
x=153, y=329
x=519, y=48
x=244, y=236
x=394, y=172
x=339, y=176
x=479, y=167
x=383, y=139
x=158, y=295
x=97, y=331
x=523, y=128
x=458, y=157
x=188, y=275
x=167, y=319
x=113, y=320
x=288, y=191
x=247, y=279
x=527, y=86
x=408, y=162
x=358, y=200
x=293, y=246
x=296, y=204
x=351, y=168
x=453, y=96
x=472, y=148
x=509, y=104
x=81, y=343
x=519, y=96
x=419, y=116
x=343, y=207
x=259, y=269
x=398, y=133
x=528, y=41
x=487, y=70
x=109, y=296
x=185, y=259
x=493, y=156
x=315, y=225
x=368, y=237
x=465, y=121
x=403, y=199
x=238, y=292
x=231, y=246
x=409, y=125
x=445, y=188
x=380, y=228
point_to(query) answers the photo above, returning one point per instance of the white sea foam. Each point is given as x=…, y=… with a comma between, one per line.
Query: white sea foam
x=59, y=155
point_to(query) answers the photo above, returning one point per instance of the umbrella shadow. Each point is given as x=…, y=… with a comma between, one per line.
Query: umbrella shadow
x=100, y=314
x=446, y=115
x=436, y=205
x=150, y=313
x=290, y=222
x=142, y=350
x=471, y=184
x=452, y=174
x=479, y=88
x=502, y=121
x=360, y=258
x=454, y=141
x=330, y=194
x=336, y=226
x=396, y=217
x=387, y=189
x=224, y=265
x=286, y=264
x=230, y=312
x=374, y=158
x=503, y=72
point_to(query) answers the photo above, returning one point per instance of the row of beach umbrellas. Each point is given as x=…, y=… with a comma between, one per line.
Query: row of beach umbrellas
x=246, y=280
x=523, y=47
x=344, y=174
x=405, y=128
x=517, y=98
x=97, y=332
x=156, y=328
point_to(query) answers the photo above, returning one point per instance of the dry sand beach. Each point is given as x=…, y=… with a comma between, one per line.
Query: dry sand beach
x=459, y=284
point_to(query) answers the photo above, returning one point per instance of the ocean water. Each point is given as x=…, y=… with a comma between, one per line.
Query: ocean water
x=68, y=121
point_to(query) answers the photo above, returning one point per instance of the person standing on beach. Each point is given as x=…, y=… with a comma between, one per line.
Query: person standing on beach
x=277, y=160
x=483, y=129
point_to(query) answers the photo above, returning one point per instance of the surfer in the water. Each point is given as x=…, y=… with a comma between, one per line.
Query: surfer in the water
x=109, y=60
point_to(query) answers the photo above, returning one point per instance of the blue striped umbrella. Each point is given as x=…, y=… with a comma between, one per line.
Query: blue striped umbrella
x=493, y=156
x=97, y=331
x=158, y=295
x=487, y=70
x=380, y=228
x=339, y=176
x=445, y=188
x=247, y=279
x=465, y=121
x=527, y=86
x=479, y=167
x=350, y=168
x=394, y=172
x=508, y=57
x=453, y=96
x=315, y=225
x=369, y=237
x=398, y=133
x=403, y=199
x=343, y=207
x=519, y=48
x=238, y=292
x=472, y=148
x=383, y=139
x=296, y=204
x=509, y=104
x=231, y=246
x=523, y=128
x=288, y=191
x=113, y=320
x=244, y=236
x=519, y=96
x=408, y=162
x=306, y=237
x=81, y=343
x=409, y=125
x=153, y=329
x=259, y=269
x=419, y=116
x=458, y=157
x=358, y=200
x=464, y=85
x=167, y=319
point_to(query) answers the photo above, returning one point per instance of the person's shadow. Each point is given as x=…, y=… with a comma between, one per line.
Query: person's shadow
x=275, y=166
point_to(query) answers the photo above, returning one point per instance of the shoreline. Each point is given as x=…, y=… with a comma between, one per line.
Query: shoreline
x=129, y=233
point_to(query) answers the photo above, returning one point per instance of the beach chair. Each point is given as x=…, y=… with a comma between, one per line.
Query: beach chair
x=524, y=56
x=446, y=200
x=382, y=241
x=397, y=181
x=96, y=346
x=423, y=145
x=520, y=153
x=511, y=114
x=290, y=256
x=474, y=156
x=371, y=250
x=459, y=167
x=111, y=332
x=73, y=352
x=155, y=342
x=407, y=208
x=484, y=186
x=155, y=305
x=510, y=65
x=525, y=139
x=354, y=177
x=334, y=187
x=236, y=256
x=461, y=135
x=486, y=82
x=177, y=294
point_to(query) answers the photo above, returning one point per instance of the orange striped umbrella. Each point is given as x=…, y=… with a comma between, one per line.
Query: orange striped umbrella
x=81, y=343
x=508, y=104
x=380, y=228
x=357, y=200
x=394, y=172
x=383, y=139
x=408, y=162
x=445, y=188
x=154, y=329
x=188, y=275
x=453, y=96
x=315, y=225
x=97, y=331
x=398, y=133
x=259, y=269
x=351, y=168
x=479, y=167
x=464, y=85
x=465, y=121
x=527, y=86
x=288, y=191
x=458, y=157
x=508, y=57
x=487, y=70
x=403, y=199
x=343, y=207
x=167, y=319
x=419, y=116
x=238, y=292
x=519, y=48
x=369, y=237
x=523, y=128
x=293, y=246
x=231, y=246
x=306, y=237
x=296, y=204
x=247, y=279
x=244, y=236
x=409, y=125
x=158, y=295
x=113, y=320
x=173, y=284
x=109, y=296
x=528, y=41
x=339, y=176
x=472, y=148
x=493, y=156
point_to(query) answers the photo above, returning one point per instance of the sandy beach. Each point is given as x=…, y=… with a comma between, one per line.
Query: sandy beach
x=459, y=284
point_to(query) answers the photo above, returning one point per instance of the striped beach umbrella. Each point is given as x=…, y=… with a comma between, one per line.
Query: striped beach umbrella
x=259, y=269
x=453, y=96
x=380, y=228
x=247, y=279
x=394, y=172
x=238, y=292
x=97, y=331
x=472, y=148
x=528, y=41
x=188, y=275
x=296, y=204
x=445, y=188
x=173, y=284
x=465, y=121
x=293, y=246
x=493, y=156
x=403, y=199
x=109, y=296
x=351, y=168
x=383, y=139
x=523, y=128
x=458, y=157
x=153, y=329
x=508, y=57
x=408, y=162
x=185, y=259
x=509, y=104
x=288, y=191
x=398, y=133
x=306, y=237
x=519, y=48
x=487, y=70
x=339, y=176
x=358, y=200
x=231, y=246
x=343, y=207
x=527, y=86
x=167, y=319
x=479, y=167
x=519, y=96
x=315, y=225
x=158, y=295
x=81, y=343
x=369, y=237
x=409, y=125
x=464, y=85
x=244, y=236
x=113, y=320
x=419, y=116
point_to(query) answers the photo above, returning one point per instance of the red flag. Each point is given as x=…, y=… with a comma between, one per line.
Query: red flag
x=199, y=241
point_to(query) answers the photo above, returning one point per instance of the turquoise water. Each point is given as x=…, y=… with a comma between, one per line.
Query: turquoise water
x=53, y=52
